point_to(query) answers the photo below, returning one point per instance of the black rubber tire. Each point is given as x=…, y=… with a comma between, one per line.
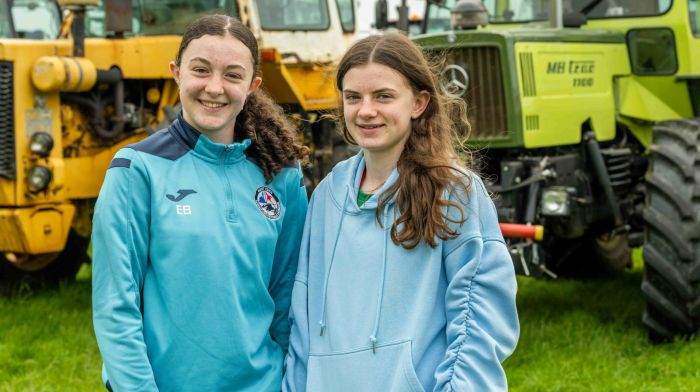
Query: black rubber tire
x=64, y=267
x=592, y=256
x=671, y=283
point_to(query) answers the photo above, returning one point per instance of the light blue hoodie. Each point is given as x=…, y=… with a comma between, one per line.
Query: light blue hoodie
x=368, y=315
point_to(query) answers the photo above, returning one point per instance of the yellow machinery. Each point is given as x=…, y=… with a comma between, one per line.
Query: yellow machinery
x=80, y=79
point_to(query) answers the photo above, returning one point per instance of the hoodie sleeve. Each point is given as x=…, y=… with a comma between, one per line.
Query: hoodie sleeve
x=120, y=240
x=296, y=361
x=286, y=256
x=482, y=321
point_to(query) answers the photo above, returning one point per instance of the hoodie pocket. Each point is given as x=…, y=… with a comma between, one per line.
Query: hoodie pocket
x=388, y=369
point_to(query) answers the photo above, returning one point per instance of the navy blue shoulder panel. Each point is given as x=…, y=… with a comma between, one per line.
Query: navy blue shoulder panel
x=120, y=162
x=162, y=144
x=170, y=143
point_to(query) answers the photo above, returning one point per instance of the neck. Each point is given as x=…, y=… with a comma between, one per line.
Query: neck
x=378, y=168
x=221, y=137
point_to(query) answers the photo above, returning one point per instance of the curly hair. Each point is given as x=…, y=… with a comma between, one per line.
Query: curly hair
x=429, y=166
x=261, y=120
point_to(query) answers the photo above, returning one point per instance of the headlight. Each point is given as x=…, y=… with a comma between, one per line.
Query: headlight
x=38, y=178
x=41, y=144
x=555, y=201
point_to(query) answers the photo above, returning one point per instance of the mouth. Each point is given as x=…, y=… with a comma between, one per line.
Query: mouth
x=211, y=105
x=369, y=126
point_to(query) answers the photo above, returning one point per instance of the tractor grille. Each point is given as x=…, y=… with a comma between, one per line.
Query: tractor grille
x=7, y=122
x=485, y=94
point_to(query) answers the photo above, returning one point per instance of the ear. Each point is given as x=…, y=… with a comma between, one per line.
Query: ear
x=254, y=84
x=175, y=71
x=420, y=102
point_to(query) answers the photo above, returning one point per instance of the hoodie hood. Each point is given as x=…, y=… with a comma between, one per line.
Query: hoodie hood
x=345, y=183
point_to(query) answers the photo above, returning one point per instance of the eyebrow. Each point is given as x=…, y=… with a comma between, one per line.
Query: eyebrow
x=207, y=62
x=381, y=90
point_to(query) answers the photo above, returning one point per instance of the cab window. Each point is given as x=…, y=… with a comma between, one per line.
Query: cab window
x=293, y=14
x=694, y=17
x=34, y=19
x=620, y=8
x=347, y=15
x=160, y=17
x=5, y=21
x=438, y=18
x=525, y=11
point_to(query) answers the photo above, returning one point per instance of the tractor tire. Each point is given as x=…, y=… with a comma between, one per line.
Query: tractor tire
x=671, y=282
x=45, y=269
x=589, y=257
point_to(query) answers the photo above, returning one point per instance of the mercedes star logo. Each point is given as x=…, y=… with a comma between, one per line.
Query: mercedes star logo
x=454, y=80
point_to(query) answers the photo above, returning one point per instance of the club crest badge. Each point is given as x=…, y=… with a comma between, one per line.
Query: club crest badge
x=267, y=202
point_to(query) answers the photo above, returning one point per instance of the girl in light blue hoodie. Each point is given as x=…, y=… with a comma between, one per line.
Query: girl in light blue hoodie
x=404, y=280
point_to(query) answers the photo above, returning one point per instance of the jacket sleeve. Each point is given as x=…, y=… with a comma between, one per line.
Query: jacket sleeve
x=120, y=240
x=286, y=257
x=482, y=322
x=298, y=355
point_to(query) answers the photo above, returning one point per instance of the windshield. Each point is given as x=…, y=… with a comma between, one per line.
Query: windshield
x=523, y=11
x=160, y=17
x=34, y=19
x=5, y=25
x=293, y=14
x=694, y=17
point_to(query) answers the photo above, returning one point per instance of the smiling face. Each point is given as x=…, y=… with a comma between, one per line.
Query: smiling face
x=378, y=106
x=215, y=77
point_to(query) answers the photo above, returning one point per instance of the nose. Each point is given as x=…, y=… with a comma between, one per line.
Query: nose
x=214, y=85
x=366, y=109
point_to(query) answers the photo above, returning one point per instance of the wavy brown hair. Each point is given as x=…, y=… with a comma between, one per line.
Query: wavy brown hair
x=261, y=120
x=429, y=166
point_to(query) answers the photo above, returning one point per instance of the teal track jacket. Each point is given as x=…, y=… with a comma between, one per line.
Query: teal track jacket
x=194, y=258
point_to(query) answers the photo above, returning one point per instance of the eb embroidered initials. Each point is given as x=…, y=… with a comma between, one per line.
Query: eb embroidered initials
x=183, y=209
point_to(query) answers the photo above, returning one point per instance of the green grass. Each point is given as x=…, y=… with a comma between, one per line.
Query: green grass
x=46, y=340
x=583, y=336
x=576, y=336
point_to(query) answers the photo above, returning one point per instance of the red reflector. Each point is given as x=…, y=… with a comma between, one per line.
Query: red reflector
x=535, y=232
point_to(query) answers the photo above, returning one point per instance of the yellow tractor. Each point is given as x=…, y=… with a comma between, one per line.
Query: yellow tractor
x=80, y=79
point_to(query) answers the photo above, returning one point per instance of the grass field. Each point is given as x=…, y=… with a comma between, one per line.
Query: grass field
x=576, y=336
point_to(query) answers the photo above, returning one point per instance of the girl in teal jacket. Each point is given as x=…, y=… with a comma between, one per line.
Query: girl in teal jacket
x=196, y=232
x=404, y=280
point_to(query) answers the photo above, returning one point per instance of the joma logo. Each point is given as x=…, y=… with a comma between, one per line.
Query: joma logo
x=181, y=194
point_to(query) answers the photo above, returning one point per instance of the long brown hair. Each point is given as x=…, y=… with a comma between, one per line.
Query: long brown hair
x=261, y=120
x=429, y=167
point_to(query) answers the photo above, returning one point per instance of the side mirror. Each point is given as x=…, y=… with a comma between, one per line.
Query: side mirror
x=381, y=18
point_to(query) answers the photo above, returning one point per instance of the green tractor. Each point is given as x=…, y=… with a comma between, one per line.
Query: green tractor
x=584, y=113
